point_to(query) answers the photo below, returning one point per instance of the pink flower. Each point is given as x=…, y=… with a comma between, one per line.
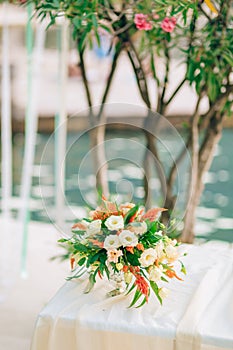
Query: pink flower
x=141, y=22
x=113, y=255
x=168, y=24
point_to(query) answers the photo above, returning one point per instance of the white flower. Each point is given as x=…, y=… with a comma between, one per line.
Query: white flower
x=171, y=252
x=113, y=255
x=148, y=257
x=128, y=238
x=94, y=227
x=159, y=233
x=114, y=222
x=159, y=249
x=138, y=227
x=174, y=242
x=163, y=292
x=111, y=241
x=155, y=274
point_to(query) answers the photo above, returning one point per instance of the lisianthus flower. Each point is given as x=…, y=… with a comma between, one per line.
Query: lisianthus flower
x=113, y=255
x=128, y=238
x=94, y=227
x=115, y=222
x=112, y=241
x=155, y=274
x=160, y=250
x=148, y=257
x=171, y=252
x=138, y=227
x=168, y=24
x=163, y=292
x=141, y=22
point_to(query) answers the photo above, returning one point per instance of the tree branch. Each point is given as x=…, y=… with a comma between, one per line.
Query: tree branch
x=118, y=49
x=162, y=106
x=86, y=86
x=175, y=92
x=139, y=73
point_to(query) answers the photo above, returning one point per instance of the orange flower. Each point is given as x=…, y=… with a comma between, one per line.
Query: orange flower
x=130, y=249
x=72, y=261
x=134, y=269
x=140, y=246
x=125, y=268
x=142, y=285
x=171, y=274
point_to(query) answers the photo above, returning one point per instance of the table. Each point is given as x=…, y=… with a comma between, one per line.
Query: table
x=197, y=315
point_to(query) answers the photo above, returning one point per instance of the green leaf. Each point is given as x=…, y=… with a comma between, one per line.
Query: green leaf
x=94, y=20
x=132, y=259
x=62, y=240
x=81, y=247
x=164, y=279
x=78, y=232
x=106, y=271
x=77, y=22
x=90, y=284
x=142, y=303
x=155, y=289
x=137, y=296
x=105, y=27
x=228, y=57
x=131, y=213
x=212, y=86
x=78, y=274
x=183, y=269
x=131, y=288
x=82, y=261
x=154, y=227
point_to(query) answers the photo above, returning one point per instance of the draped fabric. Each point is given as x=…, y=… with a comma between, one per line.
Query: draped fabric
x=197, y=315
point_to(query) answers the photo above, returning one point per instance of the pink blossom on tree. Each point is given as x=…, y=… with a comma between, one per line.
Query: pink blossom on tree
x=168, y=24
x=141, y=22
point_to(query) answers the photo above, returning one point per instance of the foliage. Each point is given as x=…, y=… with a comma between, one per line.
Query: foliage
x=124, y=243
x=155, y=34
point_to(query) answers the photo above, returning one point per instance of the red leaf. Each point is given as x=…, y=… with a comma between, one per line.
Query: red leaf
x=153, y=214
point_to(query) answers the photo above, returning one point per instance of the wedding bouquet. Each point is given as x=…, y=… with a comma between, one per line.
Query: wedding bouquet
x=129, y=246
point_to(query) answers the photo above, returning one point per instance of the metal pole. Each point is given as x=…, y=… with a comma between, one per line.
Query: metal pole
x=31, y=122
x=61, y=128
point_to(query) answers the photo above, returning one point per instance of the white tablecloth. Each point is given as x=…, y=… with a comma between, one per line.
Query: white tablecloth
x=197, y=315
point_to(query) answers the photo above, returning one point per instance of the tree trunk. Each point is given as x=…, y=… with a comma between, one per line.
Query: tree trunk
x=97, y=138
x=206, y=154
x=98, y=123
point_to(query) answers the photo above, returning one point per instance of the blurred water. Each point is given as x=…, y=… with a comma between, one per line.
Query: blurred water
x=125, y=152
